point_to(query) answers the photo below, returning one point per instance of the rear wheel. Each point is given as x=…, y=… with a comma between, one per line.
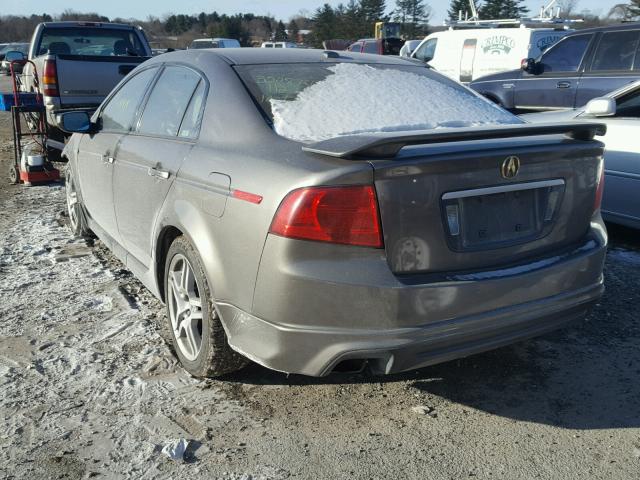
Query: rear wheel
x=77, y=217
x=196, y=331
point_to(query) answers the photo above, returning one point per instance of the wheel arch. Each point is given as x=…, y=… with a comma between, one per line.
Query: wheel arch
x=165, y=238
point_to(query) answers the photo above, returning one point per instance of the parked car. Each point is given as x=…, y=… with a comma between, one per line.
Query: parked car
x=214, y=43
x=469, y=53
x=584, y=65
x=5, y=67
x=620, y=111
x=409, y=47
x=278, y=45
x=328, y=230
x=380, y=46
x=79, y=63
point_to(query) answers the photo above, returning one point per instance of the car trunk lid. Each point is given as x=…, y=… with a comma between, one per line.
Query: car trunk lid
x=474, y=203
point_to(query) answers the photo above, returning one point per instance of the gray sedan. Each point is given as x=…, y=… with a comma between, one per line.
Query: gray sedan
x=620, y=111
x=292, y=208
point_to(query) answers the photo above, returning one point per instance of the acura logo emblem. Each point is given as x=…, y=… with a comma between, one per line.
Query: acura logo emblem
x=510, y=167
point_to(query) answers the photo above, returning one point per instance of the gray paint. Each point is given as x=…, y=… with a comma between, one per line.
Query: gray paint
x=302, y=306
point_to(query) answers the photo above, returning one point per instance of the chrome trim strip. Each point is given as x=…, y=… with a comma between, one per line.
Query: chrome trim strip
x=616, y=173
x=514, y=187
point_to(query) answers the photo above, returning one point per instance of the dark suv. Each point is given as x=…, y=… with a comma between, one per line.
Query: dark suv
x=583, y=65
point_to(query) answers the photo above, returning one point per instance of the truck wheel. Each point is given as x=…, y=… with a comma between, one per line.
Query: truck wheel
x=196, y=331
x=75, y=210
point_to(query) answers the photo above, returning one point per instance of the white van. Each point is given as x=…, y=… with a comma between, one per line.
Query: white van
x=278, y=45
x=471, y=53
x=215, y=43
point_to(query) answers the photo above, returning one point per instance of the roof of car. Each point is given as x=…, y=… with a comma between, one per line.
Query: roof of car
x=88, y=24
x=252, y=56
x=609, y=28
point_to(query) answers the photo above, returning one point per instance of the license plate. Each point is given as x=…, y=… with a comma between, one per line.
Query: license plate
x=501, y=216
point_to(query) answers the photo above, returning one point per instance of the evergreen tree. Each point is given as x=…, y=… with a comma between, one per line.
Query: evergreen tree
x=496, y=9
x=460, y=6
x=281, y=32
x=412, y=14
x=373, y=10
x=634, y=8
x=293, y=30
x=324, y=25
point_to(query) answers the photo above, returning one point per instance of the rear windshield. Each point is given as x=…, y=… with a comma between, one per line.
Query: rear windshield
x=313, y=102
x=96, y=41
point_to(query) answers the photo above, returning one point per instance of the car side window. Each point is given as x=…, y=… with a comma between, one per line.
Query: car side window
x=190, y=126
x=370, y=47
x=120, y=112
x=629, y=105
x=616, y=51
x=168, y=101
x=566, y=55
x=356, y=47
x=427, y=50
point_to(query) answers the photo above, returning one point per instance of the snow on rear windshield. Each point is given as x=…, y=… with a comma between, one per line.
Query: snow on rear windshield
x=313, y=102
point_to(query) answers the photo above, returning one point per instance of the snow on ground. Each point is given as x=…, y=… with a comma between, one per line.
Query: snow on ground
x=87, y=384
x=335, y=106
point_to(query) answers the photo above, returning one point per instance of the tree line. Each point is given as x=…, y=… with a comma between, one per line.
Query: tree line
x=349, y=21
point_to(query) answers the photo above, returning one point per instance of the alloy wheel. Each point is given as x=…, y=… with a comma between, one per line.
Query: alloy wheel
x=185, y=307
x=72, y=203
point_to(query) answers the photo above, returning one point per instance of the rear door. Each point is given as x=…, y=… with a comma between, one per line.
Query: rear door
x=615, y=63
x=556, y=83
x=149, y=159
x=97, y=152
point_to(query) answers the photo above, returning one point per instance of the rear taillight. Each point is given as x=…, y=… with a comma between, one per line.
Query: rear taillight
x=600, y=189
x=346, y=215
x=50, y=79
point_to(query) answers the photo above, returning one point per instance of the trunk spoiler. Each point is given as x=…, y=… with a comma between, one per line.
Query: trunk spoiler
x=388, y=144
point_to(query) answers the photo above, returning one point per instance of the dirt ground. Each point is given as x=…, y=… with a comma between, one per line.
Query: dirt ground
x=89, y=387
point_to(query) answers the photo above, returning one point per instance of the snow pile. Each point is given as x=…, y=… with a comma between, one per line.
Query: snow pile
x=362, y=99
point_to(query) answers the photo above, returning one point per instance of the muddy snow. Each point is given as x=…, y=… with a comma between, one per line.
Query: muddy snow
x=89, y=387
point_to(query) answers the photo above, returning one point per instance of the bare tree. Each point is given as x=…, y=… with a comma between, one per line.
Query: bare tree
x=568, y=8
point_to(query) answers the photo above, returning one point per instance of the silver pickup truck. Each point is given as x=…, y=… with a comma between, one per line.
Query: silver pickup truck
x=79, y=63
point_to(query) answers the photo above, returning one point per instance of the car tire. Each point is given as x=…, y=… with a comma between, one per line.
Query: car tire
x=14, y=176
x=197, y=334
x=75, y=210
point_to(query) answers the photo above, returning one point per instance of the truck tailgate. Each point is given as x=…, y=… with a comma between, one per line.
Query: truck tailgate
x=85, y=81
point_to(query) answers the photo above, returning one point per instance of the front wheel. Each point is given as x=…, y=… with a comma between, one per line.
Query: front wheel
x=197, y=334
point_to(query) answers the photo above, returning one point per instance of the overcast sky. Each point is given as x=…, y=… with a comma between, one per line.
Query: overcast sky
x=279, y=8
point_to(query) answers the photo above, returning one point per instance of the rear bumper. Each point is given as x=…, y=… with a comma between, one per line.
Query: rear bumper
x=316, y=352
x=304, y=323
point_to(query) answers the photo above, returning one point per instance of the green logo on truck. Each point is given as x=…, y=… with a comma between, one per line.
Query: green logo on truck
x=498, y=44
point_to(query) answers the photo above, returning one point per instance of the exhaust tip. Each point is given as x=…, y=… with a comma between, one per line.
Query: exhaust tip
x=350, y=366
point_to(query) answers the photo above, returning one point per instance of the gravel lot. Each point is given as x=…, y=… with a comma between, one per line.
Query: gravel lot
x=89, y=386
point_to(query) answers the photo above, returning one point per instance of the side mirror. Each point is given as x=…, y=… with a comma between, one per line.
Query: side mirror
x=14, y=56
x=601, y=107
x=529, y=65
x=75, y=122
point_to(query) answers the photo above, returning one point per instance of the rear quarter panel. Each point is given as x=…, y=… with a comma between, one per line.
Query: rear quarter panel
x=229, y=233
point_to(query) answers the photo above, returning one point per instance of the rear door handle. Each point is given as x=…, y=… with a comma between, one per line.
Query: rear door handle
x=154, y=172
x=563, y=85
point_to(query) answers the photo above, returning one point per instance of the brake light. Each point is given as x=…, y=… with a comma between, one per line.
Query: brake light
x=50, y=79
x=600, y=189
x=346, y=215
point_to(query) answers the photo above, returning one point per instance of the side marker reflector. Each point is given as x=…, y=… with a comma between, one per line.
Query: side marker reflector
x=246, y=196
